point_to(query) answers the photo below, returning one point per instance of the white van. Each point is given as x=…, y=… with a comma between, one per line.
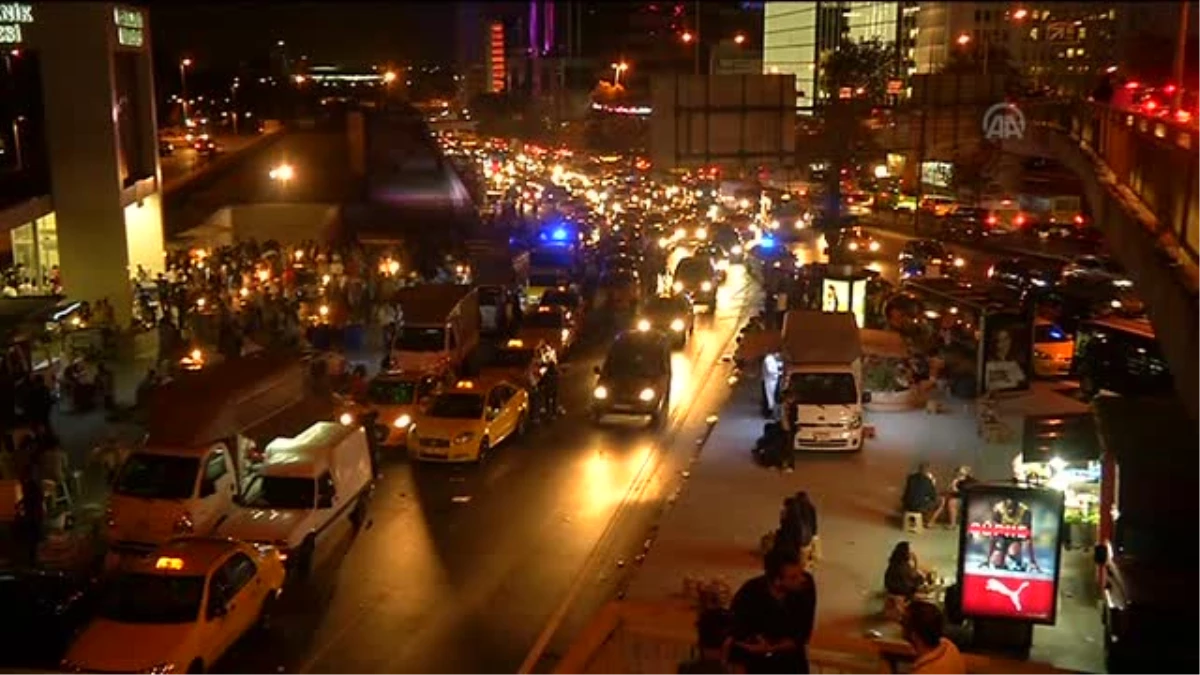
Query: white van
x=306, y=485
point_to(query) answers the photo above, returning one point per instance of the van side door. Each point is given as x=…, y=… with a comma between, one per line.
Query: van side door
x=217, y=490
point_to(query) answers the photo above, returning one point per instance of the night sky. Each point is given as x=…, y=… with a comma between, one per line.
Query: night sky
x=223, y=34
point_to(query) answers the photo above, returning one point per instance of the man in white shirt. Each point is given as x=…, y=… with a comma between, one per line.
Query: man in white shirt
x=923, y=626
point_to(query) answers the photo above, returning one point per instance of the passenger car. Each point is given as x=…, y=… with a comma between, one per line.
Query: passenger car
x=697, y=276
x=1053, y=349
x=464, y=423
x=549, y=324
x=672, y=315
x=393, y=398
x=850, y=244
x=182, y=607
x=635, y=378
x=927, y=258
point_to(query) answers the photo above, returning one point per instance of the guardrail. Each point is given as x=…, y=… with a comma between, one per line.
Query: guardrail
x=646, y=637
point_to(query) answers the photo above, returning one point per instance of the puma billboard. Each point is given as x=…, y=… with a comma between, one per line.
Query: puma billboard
x=1009, y=552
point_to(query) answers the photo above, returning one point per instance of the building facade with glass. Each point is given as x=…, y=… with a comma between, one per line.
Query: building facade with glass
x=798, y=35
x=102, y=218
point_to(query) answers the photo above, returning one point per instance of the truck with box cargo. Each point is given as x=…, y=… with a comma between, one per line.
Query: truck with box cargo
x=439, y=328
x=820, y=362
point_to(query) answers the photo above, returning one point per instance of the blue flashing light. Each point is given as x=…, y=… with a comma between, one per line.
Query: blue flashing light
x=560, y=234
x=767, y=242
x=1056, y=334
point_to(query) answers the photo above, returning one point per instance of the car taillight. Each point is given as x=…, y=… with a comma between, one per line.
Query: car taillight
x=991, y=220
x=1020, y=221
x=1078, y=220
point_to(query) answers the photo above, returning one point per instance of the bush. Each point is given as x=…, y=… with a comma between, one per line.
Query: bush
x=884, y=375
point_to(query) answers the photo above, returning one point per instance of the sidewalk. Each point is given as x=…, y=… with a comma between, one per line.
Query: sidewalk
x=714, y=527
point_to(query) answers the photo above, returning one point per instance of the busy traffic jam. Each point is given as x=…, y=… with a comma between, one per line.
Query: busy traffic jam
x=520, y=418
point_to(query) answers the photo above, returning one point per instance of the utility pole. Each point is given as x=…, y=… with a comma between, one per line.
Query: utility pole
x=1180, y=46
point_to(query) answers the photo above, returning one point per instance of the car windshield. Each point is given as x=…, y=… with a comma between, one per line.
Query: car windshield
x=391, y=392
x=544, y=280
x=560, y=299
x=512, y=358
x=154, y=476
x=457, y=406
x=693, y=269
x=282, y=492
x=550, y=259
x=416, y=339
x=542, y=320
x=152, y=598
x=1049, y=333
x=630, y=359
x=666, y=307
x=824, y=388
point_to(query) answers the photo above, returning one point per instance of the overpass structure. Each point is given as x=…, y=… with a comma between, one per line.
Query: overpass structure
x=1140, y=176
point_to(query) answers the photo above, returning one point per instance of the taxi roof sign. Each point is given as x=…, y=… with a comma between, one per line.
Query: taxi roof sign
x=465, y=384
x=167, y=563
x=516, y=343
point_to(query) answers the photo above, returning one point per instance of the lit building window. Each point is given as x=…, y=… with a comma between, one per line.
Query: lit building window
x=1070, y=52
x=1082, y=32
x=1033, y=33
x=1079, y=52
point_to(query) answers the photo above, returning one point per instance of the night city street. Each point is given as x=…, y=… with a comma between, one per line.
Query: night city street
x=574, y=337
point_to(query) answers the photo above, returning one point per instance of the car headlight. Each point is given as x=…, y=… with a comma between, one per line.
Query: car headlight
x=774, y=224
x=600, y=393
x=346, y=419
x=706, y=286
x=464, y=437
x=853, y=246
x=402, y=422
x=643, y=325
x=677, y=325
x=959, y=262
x=678, y=286
x=701, y=233
x=736, y=250
x=874, y=246
x=647, y=395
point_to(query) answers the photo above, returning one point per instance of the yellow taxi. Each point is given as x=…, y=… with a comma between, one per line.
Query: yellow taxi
x=1053, y=350
x=392, y=401
x=521, y=362
x=179, y=609
x=550, y=323
x=464, y=423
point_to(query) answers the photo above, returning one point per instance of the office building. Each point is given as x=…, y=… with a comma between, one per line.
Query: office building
x=798, y=35
x=102, y=216
x=1063, y=46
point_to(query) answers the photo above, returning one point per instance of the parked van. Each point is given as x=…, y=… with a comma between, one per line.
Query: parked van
x=185, y=477
x=306, y=486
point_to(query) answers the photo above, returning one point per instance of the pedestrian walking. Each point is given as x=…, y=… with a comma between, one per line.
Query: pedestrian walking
x=787, y=421
x=550, y=390
x=773, y=617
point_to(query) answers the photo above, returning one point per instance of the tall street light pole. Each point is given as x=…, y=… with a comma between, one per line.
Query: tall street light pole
x=1180, y=48
x=233, y=90
x=183, y=66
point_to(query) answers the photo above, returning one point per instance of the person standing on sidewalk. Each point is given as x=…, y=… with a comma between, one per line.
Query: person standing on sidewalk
x=798, y=528
x=787, y=422
x=773, y=616
x=923, y=628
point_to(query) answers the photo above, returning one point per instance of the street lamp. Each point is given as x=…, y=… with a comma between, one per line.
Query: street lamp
x=963, y=40
x=282, y=173
x=233, y=90
x=183, y=66
x=389, y=77
x=739, y=39
x=618, y=68
x=687, y=37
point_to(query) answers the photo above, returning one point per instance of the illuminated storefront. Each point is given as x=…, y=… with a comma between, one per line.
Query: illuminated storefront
x=35, y=248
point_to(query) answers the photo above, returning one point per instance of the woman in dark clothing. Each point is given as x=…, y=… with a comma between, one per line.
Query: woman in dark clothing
x=904, y=576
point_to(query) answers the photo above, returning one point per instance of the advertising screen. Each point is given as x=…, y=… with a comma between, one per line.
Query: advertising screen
x=1008, y=351
x=1008, y=558
x=845, y=295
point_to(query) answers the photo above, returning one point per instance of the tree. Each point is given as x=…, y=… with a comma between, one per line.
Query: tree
x=854, y=79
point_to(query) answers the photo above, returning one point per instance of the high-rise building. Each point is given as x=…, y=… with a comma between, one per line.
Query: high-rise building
x=1059, y=45
x=798, y=35
x=103, y=217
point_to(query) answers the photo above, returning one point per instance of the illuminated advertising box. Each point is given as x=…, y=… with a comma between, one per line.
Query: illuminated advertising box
x=845, y=295
x=1009, y=553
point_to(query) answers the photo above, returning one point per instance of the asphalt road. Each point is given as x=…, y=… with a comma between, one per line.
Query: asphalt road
x=465, y=568
x=185, y=160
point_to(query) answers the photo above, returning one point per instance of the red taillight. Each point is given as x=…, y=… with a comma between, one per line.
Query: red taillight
x=1183, y=115
x=991, y=220
x=1132, y=85
x=1020, y=221
x=1078, y=220
x=1151, y=106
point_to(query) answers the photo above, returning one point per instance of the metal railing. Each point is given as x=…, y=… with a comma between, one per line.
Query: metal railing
x=648, y=637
